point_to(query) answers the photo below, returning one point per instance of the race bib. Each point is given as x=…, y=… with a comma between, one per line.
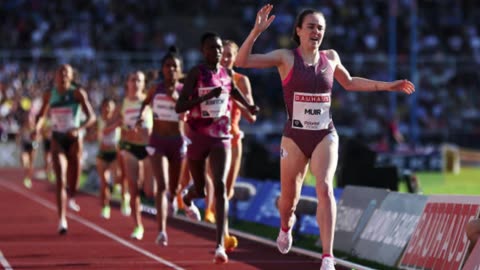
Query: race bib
x=164, y=108
x=112, y=138
x=62, y=119
x=214, y=107
x=311, y=111
x=130, y=117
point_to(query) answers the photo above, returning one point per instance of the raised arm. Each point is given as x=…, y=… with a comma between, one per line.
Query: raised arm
x=362, y=84
x=245, y=58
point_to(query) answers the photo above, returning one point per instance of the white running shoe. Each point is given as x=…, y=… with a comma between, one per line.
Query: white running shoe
x=62, y=227
x=162, y=239
x=72, y=204
x=220, y=255
x=328, y=263
x=192, y=212
x=285, y=239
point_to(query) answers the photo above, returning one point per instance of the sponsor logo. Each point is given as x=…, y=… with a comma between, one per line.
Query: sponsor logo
x=309, y=123
x=297, y=123
x=439, y=239
x=214, y=102
x=309, y=98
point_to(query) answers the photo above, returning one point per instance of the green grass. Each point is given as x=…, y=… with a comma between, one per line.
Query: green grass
x=467, y=182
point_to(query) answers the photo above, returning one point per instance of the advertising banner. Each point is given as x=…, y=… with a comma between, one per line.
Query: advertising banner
x=439, y=240
x=390, y=227
x=353, y=212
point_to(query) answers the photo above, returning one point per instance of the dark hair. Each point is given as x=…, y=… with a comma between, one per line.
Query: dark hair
x=298, y=22
x=173, y=53
x=208, y=35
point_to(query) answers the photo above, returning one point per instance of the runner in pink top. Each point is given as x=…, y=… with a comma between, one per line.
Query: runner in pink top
x=206, y=94
x=307, y=91
x=309, y=137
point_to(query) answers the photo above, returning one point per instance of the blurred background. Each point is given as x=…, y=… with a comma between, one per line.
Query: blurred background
x=435, y=44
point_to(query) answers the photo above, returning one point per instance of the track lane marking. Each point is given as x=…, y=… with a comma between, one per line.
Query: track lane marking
x=32, y=196
x=4, y=262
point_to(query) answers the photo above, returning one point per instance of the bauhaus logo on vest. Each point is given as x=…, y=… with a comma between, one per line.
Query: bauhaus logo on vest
x=309, y=98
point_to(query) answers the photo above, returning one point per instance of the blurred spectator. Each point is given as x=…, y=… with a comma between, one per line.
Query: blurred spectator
x=107, y=39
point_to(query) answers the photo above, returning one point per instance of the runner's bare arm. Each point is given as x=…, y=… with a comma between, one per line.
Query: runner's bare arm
x=186, y=101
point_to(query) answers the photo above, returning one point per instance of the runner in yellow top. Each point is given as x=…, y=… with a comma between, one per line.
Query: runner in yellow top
x=133, y=144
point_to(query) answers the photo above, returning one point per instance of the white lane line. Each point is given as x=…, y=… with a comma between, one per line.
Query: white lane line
x=4, y=262
x=32, y=196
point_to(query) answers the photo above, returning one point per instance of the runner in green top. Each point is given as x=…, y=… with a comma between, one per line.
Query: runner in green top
x=63, y=103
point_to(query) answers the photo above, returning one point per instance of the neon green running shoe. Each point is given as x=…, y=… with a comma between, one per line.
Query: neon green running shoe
x=137, y=233
x=51, y=177
x=125, y=206
x=106, y=212
x=27, y=182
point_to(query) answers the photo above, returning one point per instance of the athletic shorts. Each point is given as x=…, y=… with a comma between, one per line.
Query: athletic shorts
x=173, y=147
x=64, y=140
x=46, y=145
x=107, y=156
x=202, y=145
x=28, y=146
x=137, y=150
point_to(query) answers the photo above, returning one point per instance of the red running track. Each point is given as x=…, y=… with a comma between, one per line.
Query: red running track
x=29, y=238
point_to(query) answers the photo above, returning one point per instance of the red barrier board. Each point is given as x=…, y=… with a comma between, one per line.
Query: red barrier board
x=439, y=240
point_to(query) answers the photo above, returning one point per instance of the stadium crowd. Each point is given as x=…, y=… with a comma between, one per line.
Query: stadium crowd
x=106, y=39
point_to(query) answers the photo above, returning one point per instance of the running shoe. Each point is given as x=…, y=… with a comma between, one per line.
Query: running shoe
x=209, y=216
x=125, y=206
x=328, y=263
x=62, y=227
x=27, y=182
x=162, y=239
x=285, y=239
x=137, y=233
x=105, y=212
x=220, y=256
x=72, y=204
x=51, y=177
x=192, y=212
x=231, y=242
